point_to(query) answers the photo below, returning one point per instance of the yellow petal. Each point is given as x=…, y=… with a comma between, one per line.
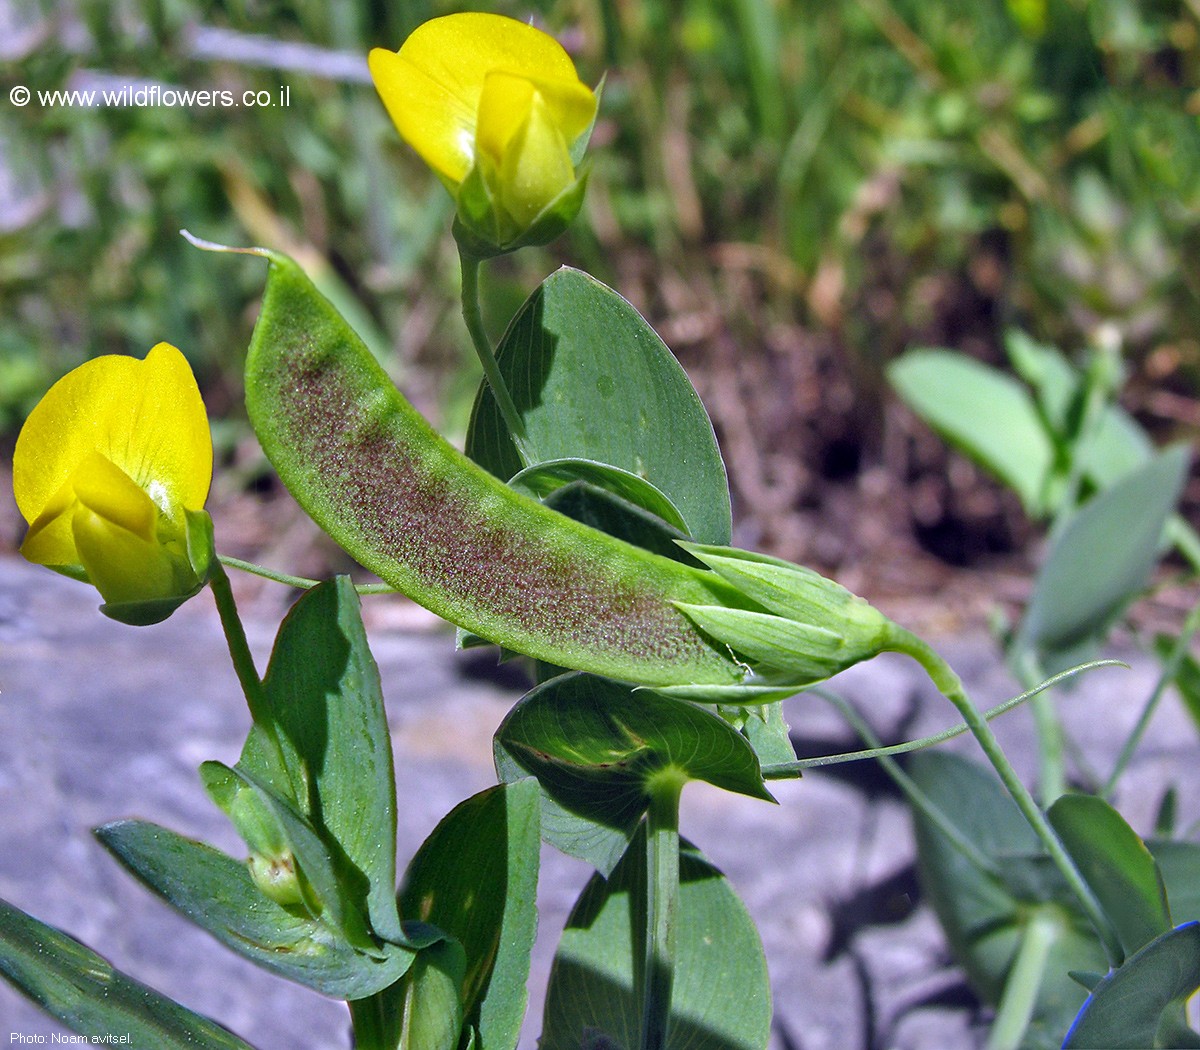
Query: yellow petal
x=145, y=417
x=123, y=566
x=536, y=166
x=432, y=119
x=50, y=540
x=570, y=105
x=432, y=86
x=104, y=489
x=504, y=106
x=110, y=493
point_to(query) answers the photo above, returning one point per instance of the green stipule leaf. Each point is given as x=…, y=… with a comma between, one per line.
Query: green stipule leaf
x=420, y=515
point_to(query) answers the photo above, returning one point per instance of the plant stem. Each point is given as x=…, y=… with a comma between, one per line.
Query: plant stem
x=1052, y=777
x=243, y=665
x=1024, y=982
x=1052, y=781
x=1170, y=669
x=662, y=904
x=950, y=686
x=487, y=358
x=239, y=648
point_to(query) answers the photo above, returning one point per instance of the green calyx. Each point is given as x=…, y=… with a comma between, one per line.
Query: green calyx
x=483, y=229
x=803, y=628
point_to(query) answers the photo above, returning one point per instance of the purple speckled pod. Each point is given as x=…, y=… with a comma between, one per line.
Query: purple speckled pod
x=415, y=511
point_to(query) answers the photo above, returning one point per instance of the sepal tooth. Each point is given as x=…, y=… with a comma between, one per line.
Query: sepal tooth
x=790, y=590
x=803, y=651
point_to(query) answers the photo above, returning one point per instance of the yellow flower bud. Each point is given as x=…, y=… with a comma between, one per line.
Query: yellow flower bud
x=111, y=471
x=496, y=109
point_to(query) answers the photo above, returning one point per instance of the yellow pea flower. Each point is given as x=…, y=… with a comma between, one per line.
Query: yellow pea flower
x=496, y=109
x=111, y=471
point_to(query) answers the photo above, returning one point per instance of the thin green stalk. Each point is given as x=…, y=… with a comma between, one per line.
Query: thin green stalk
x=919, y=799
x=787, y=770
x=950, y=686
x=1024, y=982
x=662, y=905
x=301, y=582
x=487, y=358
x=243, y=665
x=239, y=648
x=1170, y=669
x=1052, y=780
x=1052, y=777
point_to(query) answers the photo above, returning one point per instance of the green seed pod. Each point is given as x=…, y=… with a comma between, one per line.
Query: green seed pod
x=420, y=515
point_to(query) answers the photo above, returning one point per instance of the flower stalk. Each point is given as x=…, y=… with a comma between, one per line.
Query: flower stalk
x=483, y=349
x=247, y=673
x=951, y=687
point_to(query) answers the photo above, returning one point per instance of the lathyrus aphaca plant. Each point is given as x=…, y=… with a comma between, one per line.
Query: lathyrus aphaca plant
x=587, y=528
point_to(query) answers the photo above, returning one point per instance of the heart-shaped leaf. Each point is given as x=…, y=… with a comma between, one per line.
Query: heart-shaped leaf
x=721, y=996
x=476, y=878
x=594, y=746
x=1141, y=1004
x=592, y=380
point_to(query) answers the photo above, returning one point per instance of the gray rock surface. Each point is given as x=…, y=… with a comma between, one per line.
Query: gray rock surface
x=99, y=721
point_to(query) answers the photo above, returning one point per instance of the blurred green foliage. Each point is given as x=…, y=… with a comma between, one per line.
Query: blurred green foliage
x=882, y=141
x=1039, y=159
